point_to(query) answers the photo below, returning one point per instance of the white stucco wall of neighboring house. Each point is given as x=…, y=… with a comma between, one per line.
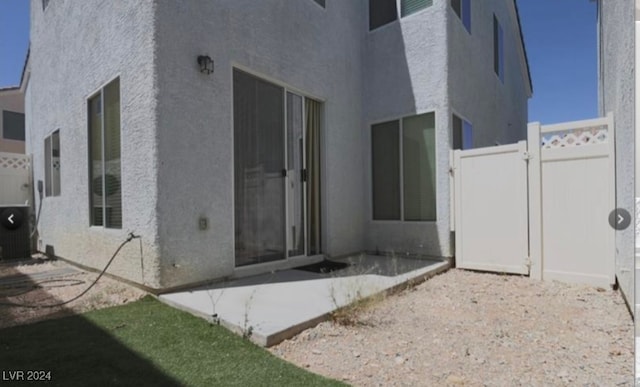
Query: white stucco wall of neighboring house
x=497, y=110
x=11, y=100
x=77, y=48
x=297, y=44
x=617, y=81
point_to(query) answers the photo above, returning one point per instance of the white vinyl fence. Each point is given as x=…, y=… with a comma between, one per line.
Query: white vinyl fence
x=540, y=207
x=14, y=179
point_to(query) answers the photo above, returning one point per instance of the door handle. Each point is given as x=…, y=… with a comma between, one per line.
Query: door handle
x=284, y=173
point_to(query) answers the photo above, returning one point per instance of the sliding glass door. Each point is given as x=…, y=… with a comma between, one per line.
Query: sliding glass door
x=258, y=113
x=276, y=195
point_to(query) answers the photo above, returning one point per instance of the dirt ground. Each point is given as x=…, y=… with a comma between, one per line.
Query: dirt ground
x=477, y=329
x=106, y=292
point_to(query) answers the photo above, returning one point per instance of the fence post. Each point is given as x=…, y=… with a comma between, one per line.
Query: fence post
x=535, y=200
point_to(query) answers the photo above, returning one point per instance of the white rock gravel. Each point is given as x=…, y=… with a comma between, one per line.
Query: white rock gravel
x=476, y=329
x=107, y=292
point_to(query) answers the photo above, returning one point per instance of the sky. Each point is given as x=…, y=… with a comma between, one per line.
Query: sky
x=14, y=40
x=560, y=39
x=561, y=42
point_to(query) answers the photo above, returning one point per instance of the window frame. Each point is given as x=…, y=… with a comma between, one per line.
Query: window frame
x=398, y=17
x=465, y=13
x=400, y=120
x=4, y=129
x=88, y=100
x=52, y=186
x=464, y=144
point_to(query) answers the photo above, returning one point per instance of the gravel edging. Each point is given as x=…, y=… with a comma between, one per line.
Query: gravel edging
x=477, y=329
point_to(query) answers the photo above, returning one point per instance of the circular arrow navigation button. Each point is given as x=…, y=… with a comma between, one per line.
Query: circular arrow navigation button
x=11, y=218
x=619, y=219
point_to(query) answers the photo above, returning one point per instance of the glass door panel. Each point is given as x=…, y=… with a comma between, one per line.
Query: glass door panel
x=259, y=162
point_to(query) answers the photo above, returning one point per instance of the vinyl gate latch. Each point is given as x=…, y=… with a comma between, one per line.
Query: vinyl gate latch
x=303, y=175
x=526, y=156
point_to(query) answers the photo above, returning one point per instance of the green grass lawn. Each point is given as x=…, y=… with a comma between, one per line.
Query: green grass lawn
x=144, y=343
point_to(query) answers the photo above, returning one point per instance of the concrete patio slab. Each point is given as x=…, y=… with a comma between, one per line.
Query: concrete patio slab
x=276, y=306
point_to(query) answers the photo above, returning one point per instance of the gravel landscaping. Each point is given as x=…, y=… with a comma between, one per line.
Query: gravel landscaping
x=107, y=292
x=477, y=329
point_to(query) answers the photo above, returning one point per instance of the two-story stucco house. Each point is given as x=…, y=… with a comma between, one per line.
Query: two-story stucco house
x=244, y=136
x=12, y=122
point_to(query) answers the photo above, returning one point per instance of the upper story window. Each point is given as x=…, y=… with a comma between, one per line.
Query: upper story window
x=407, y=7
x=12, y=126
x=462, y=8
x=45, y=3
x=382, y=12
x=321, y=3
x=462, y=133
x=498, y=49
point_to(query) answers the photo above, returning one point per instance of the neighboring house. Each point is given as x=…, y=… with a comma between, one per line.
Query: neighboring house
x=616, y=35
x=12, y=120
x=246, y=136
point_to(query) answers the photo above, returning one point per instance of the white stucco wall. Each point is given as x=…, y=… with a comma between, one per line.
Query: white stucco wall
x=177, y=130
x=498, y=111
x=296, y=44
x=76, y=48
x=406, y=74
x=617, y=81
x=13, y=101
x=429, y=62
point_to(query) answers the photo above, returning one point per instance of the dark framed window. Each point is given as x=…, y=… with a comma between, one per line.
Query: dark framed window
x=105, y=175
x=462, y=8
x=462, y=133
x=321, y=3
x=404, y=169
x=12, y=125
x=381, y=12
x=45, y=3
x=52, y=164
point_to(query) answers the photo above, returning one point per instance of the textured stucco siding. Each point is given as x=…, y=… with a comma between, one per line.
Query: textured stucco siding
x=406, y=74
x=617, y=81
x=297, y=44
x=76, y=48
x=13, y=101
x=498, y=111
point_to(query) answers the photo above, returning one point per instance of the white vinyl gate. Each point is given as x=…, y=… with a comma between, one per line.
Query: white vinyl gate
x=14, y=179
x=541, y=206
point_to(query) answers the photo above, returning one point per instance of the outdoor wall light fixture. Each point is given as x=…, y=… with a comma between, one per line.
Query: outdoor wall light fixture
x=206, y=64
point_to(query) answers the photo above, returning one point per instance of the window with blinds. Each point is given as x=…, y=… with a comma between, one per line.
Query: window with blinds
x=105, y=196
x=408, y=7
x=52, y=164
